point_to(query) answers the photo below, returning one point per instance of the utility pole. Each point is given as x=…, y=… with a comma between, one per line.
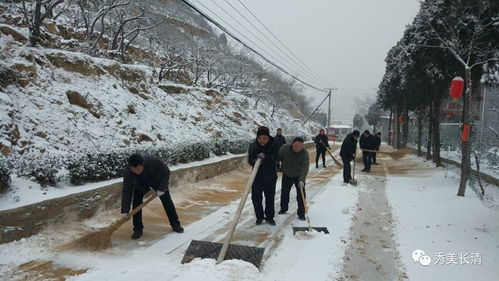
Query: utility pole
x=329, y=110
x=329, y=107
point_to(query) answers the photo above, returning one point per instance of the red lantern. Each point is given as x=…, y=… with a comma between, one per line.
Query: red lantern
x=456, y=88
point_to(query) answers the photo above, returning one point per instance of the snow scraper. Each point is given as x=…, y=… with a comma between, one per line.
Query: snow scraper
x=395, y=155
x=309, y=228
x=338, y=163
x=226, y=251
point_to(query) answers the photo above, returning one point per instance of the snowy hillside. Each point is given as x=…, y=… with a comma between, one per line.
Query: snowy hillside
x=52, y=100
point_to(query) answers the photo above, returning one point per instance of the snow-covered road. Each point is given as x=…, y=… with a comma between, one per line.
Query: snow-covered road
x=400, y=207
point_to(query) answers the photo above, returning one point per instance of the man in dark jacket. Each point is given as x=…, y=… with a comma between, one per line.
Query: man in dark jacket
x=280, y=141
x=378, y=144
x=295, y=162
x=265, y=149
x=141, y=174
x=347, y=153
x=367, y=141
x=321, y=141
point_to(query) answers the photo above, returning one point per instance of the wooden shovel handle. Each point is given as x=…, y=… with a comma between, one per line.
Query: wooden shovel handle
x=305, y=207
x=139, y=207
x=232, y=227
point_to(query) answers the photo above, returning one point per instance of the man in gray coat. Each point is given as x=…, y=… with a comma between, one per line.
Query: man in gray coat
x=295, y=162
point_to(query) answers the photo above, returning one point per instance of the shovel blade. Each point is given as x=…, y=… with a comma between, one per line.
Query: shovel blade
x=211, y=250
x=353, y=182
x=318, y=229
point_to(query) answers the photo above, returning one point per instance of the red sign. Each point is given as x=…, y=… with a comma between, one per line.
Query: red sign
x=465, y=136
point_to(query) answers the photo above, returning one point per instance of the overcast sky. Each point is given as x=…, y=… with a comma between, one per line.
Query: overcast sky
x=344, y=41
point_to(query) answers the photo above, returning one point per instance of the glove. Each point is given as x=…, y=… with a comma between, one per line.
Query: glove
x=260, y=156
x=159, y=193
x=301, y=184
x=124, y=216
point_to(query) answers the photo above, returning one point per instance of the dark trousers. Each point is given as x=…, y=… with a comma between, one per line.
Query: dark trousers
x=287, y=183
x=268, y=189
x=347, y=175
x=166, y=200
x=319, y=153
x=367, y=158
x=374, y=157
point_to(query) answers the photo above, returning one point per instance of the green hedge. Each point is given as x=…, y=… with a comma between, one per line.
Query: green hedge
x=4, y=173
x=43, y=168
x=104, y=165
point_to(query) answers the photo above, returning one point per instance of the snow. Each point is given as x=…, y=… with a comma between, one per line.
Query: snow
x=427, y=215
x=432, y=218
x=485, y=166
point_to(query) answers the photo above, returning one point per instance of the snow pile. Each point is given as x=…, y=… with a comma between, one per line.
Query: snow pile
x=207, y=269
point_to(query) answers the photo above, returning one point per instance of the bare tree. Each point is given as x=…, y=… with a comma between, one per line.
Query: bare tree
x=468, y=49
x=90, y=17
x=34, y=16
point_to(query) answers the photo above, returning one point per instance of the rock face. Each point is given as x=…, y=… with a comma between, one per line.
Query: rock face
x=76, y=98
x=31, y=219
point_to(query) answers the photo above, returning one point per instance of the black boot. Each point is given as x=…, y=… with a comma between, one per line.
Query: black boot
x=177, y=228
x=137, y=234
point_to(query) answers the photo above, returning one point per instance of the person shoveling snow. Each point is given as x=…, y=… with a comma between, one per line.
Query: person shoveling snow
x=295, y=164
x=142, y=173
x=347, y=153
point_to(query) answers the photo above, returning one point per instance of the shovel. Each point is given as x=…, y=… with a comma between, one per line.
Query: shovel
x=353, y=181
x=223, y=251
x=338, y=163
x=309, y=228
x=101, y=239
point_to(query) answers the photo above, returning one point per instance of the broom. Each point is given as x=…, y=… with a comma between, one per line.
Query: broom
x=338, y=163
x=395, y=155
x=101, y=239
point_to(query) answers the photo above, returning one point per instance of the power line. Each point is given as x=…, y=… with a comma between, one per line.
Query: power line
x=310, y=76
x=270, y=31
x=249, y=47
x=240, y=33
x=281, y=60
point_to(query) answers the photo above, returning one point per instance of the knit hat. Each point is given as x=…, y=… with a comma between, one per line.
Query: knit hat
x=263, y=131
x=356, y=133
